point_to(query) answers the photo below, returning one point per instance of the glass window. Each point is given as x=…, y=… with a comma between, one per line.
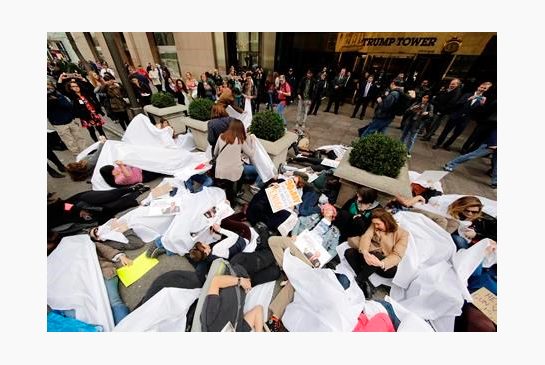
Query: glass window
x=96, y=45
x=248, y=48
x=167, y=52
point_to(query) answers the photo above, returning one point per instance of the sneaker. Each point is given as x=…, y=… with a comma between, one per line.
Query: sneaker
x=448, y=168
x=157, y=252
x=275, y=325
x=408, y=155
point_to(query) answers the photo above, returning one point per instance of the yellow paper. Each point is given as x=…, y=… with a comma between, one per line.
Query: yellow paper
x=140, y=266
x=487, y=303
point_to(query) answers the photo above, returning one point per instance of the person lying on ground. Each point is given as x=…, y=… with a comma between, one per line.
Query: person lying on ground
x=123, y=175
x=83, y=169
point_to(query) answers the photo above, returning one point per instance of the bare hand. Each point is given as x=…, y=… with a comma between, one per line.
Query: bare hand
x=492, y=246
x=125, y=261
x=470, y=233
x=245, y=284
x=379, y=100
x=216, y=227
x=119, y=162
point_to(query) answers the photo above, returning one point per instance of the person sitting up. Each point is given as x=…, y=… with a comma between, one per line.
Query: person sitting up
x=355, y=215
x=123, y=175
x=473, y=226
x=380, y=249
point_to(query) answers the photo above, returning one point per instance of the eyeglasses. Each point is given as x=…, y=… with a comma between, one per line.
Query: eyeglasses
x=472, y=211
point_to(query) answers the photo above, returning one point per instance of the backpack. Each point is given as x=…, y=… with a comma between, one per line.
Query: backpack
x=402, y=103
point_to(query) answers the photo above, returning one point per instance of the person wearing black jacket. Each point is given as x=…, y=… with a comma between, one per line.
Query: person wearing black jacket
x=304, y=95
x=443, y=105
x=86, y=108
x=385, y=109
x=337, y=91
x=459, y=118
x=366, y=91
x=318, y=93
x=141, y=89
x=486, y=122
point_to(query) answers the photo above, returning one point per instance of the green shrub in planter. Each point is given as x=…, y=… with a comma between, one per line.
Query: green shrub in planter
x=201, y=109
x=378, y=154
x=162, y=100
x=268, y=125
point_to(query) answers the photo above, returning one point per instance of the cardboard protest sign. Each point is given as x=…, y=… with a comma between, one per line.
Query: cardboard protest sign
x=486, y=302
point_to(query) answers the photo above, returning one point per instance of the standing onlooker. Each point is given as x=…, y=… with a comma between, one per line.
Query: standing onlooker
x=259, y=83
x=228, y=152
x=419, y=91
x=366, y=91
x=206, y=88
x=60, y=113
x=191, y=85
x=304, y=94
x=443, y=103
x=337, y=92
x=118, y=105
x=142, y=90
x=385, y=110
x=283, y=91
x=459, y=118
x=486, y=122
x=270, y=89
x=318, y=93
x=87, y=109
x=292, y=81
x=249, y=90
x=179, y=90
x=417, y=115
x=154, y=76
x=105, y=69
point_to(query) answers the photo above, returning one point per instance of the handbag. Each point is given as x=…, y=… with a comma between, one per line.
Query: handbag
x=213, y=162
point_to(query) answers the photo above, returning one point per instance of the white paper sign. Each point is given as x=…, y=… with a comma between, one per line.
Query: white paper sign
x=310, y=244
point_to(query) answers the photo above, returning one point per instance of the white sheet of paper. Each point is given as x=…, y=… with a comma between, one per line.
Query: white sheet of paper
x=330, y=163
x=310, y=244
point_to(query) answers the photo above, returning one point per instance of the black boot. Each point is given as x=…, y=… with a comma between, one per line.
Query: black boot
x=53, y=173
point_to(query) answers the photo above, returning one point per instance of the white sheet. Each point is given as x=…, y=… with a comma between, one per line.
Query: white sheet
x=260, y=295
x=320, y=303
x=262, y=161
x=141, y=132
x=177, y=237
x=87, y=151
x=169, y=161
x=414, y=178
x=75, y=281
x=245, y=117
x=164, y=312
x=409, y=322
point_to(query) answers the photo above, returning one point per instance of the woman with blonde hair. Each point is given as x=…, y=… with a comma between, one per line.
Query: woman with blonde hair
x=229, y=160
x=380, y=250
x=473, y=226
x=191, y=84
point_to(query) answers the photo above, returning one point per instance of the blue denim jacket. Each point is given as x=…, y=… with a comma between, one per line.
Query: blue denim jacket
x=329, y=233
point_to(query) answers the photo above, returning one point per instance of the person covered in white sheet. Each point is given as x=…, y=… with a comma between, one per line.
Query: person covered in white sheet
x=228, y=152
x=381, y=248
x=122, y=175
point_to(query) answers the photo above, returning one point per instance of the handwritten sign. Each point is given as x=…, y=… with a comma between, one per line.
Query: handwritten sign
x=486, y=302
x=283, y=195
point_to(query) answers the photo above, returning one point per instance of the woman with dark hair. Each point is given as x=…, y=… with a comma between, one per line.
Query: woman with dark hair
x=473, y=226
x=380, y=250
x=142, y=90
x=228, y=152
x=179, y=90
x=354, y=217
x=118, y=105
x=206, y=88
x=87, y=109
x=123, y=175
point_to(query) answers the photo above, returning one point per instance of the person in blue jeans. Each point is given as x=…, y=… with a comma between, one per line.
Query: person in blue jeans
x=418, y=115
x=385, y=110
x=202, y=179
x=110, y=258
x=485, y=149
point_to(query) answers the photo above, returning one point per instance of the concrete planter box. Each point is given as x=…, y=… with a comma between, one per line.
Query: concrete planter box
x=351, y=178
x=278, y=150
x=199, y=129
x=174, y=114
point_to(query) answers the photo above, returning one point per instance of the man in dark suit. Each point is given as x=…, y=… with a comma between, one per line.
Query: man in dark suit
x=337, y=91
x=366, y=92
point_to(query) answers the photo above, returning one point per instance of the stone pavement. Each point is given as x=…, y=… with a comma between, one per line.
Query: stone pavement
x=323, y=129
